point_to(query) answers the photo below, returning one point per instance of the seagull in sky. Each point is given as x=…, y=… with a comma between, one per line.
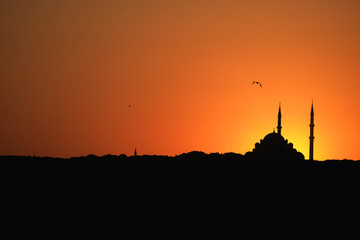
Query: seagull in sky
x=257, y=83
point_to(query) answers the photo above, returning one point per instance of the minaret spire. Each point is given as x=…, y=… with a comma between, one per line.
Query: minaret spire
x=279, y=120
x=312, y=125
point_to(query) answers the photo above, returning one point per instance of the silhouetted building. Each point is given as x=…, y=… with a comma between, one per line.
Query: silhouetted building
x=275, y=147
x=312, y=125
x=135, y=154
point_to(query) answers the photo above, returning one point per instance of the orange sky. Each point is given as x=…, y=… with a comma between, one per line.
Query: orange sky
x=69, y=70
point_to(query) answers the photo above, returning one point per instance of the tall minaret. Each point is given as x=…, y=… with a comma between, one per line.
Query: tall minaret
x=279, y=120
x=311, y=155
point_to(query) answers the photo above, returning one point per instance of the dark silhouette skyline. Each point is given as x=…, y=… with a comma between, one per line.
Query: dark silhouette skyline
x=194, y=158
x=272, y=148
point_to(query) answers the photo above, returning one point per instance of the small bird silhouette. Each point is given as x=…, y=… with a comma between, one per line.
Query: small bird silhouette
x=257, y=83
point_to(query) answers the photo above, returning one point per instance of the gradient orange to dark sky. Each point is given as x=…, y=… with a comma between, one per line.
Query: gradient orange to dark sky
x=70, y=69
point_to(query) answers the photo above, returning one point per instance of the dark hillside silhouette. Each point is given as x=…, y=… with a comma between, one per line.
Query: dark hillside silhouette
x=195, y=159
x=273, y=156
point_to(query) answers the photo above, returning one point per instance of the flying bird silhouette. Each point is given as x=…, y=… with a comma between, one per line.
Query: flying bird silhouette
x=257, y=83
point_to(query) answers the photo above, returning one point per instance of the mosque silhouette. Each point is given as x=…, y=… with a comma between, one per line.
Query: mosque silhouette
x=274, y=146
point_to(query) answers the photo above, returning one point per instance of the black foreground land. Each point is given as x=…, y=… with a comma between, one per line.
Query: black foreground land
x=190, y=182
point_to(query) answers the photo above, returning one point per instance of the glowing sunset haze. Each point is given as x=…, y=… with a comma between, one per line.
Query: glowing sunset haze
x=168, y=77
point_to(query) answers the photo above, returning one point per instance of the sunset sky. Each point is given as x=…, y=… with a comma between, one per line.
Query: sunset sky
x=69, y=69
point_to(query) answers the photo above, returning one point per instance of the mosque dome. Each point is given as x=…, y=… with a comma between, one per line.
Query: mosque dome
x=275, y=147
x=273, y=138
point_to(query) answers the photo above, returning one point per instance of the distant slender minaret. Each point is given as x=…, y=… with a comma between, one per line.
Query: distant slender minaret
x=311, y=155
x=135, y=154
x=279, y=120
